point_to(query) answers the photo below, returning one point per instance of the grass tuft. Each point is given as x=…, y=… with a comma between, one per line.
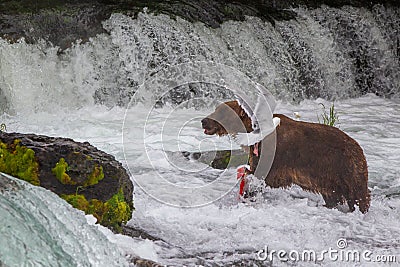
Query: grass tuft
x=330, y=118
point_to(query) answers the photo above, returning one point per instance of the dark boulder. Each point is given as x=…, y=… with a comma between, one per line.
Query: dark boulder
x=86, y=177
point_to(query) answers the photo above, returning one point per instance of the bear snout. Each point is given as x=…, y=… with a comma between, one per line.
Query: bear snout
x=205, y=122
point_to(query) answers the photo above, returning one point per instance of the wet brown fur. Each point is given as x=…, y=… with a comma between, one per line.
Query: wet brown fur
x=317, y=157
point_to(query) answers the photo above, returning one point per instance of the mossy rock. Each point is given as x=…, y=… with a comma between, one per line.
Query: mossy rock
x=95, y=177
x=86, y=177
x=112, y=213
x=60, y=171
x=228, y=158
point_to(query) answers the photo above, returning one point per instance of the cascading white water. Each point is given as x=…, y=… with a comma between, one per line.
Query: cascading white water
x=326, y=52
x=40, y=229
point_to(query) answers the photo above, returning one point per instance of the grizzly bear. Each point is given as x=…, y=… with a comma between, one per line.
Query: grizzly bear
x=319, y=158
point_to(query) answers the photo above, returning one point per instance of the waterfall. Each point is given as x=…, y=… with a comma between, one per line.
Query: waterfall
x=326, y=52
x=40, y=229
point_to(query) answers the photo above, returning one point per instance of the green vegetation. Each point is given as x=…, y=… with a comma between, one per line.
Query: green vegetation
x=228, y=10
x=77, y=201
x=19, y=161
x=60, y=171
x=329, y=119
x=3, y=127
x=117, y=211
x=96, y=176
x=113, y=212
x=225, y=158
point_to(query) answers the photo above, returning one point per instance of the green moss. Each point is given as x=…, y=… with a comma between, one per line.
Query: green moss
x=228, y=11
x=77, y=201
x=19, y=161
x=60, y=171
x=112, y=213
x=117, y=211
x=227, y=158
x=97, y=209
x=96, y=176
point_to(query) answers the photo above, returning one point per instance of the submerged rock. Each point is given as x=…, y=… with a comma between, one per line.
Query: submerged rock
x=220, y=159
x=89, y=179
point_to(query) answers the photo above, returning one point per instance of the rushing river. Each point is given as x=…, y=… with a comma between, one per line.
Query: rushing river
x=83, y=93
